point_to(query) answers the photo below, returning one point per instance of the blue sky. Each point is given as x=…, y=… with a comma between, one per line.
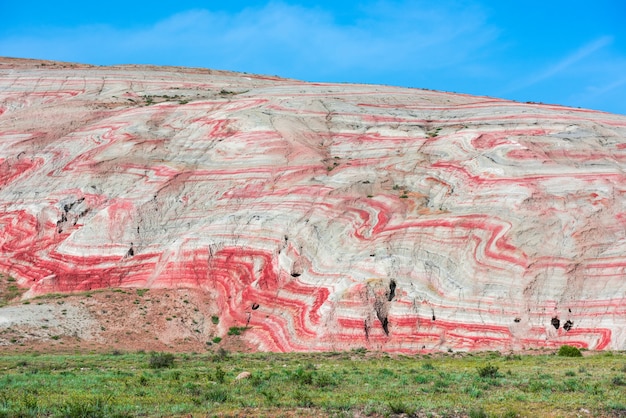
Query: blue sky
x=552, y=51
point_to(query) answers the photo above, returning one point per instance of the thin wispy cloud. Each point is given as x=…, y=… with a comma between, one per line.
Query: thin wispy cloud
x=279, y=39
x=563, y=65
x=470, y=46
x=597, y=91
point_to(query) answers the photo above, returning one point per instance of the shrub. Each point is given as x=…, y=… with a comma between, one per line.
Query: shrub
x=236, y=330
x=192, y=389
x=569, y=351
x=220, y=375
x=218, y=395
x=161, y=360
x=617, y=407
x=221, y=354
x=489, y=370
x=477, y=413
x=216, y=340
x=270, y=397
x=571, y=385
x=324, y=380
x=421, y=379
x=360, y=350
x=441, y=386
x=428, y=366
x=302, y=398
x=302, y=376
x=399, y=407
x=215, y=320
x=82, y=406
x=473, y=392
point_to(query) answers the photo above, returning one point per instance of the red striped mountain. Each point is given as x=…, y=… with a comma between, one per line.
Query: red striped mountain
x=322, y=216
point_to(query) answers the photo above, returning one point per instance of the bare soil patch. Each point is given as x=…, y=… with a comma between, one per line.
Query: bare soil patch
x=174, y=320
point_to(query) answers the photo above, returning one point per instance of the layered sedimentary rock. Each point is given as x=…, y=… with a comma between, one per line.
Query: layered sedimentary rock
x=321, y=216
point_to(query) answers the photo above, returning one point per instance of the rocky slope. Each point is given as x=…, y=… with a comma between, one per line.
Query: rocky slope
x=321, y=216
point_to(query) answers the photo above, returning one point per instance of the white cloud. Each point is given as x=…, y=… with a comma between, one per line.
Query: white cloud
x=448, y=45
x=598, y=91
x=564, y=64
x=279, y=38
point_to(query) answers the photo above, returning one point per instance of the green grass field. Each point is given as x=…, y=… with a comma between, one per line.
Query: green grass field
x=324, y=384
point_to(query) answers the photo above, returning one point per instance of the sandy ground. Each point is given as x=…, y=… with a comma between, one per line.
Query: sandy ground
x=178, y=320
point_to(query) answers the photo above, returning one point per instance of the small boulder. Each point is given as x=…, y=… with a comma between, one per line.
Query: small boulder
x=243, y=375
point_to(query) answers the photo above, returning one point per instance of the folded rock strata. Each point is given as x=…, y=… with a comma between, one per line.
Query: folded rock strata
x=321, y=216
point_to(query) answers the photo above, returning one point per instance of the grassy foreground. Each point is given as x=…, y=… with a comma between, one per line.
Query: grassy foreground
x=324, y=384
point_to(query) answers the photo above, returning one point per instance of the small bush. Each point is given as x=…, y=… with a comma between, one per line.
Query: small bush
x=83, y=407
x=618, y=408
x=618, y=381
x=215, y=320
x=236, y=330
x=221, y=354
x=270, y=397
x=569, y=351
x=428, y=366
x=218, y=395
x=302, y=376
x=399, y=407
x=220, y=375
x=489, y=371
x=324, y=380
x=441, y=386
x=477, y=413
x=421, y=379
x=570, y=385
x=161, y=360
x=303, y=399
x=192, y=389
x=216, y=340
x=29, y=402
x=510, y=414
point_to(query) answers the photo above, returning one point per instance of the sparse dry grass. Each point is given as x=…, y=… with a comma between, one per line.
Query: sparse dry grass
x=9, y=290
